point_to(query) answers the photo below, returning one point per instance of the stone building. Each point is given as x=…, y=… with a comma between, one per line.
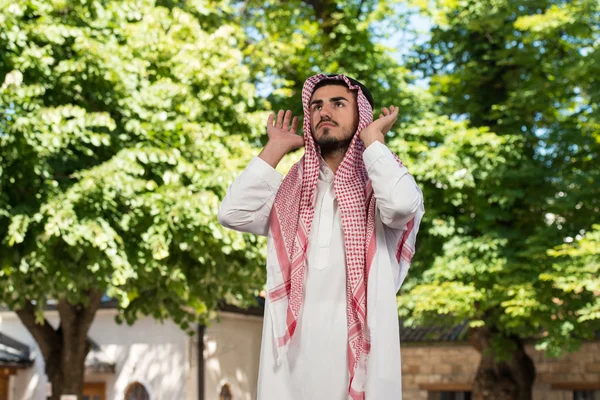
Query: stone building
x=441, y=365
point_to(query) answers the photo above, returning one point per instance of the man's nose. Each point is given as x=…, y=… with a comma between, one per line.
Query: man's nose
x=325, y=112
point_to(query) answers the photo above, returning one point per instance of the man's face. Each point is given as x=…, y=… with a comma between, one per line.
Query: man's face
x=333, y=117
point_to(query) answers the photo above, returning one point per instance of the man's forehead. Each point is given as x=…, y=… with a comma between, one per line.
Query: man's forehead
x=329, y=91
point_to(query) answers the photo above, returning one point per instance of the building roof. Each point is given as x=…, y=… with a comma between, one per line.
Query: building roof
x=14, y=353
x=257, y=310
x=97, y=362
x=453, y=333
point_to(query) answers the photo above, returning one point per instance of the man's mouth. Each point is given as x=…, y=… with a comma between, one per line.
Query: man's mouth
x=327, y=124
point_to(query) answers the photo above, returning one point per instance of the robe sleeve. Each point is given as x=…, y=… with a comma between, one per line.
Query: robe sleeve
x=247, y=204
x=398, y=196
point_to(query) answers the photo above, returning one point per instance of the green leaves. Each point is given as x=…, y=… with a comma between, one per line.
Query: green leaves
x=511, y=193
x=576, y=272
x=17, y=229
x=440, y=298
x=122, y=124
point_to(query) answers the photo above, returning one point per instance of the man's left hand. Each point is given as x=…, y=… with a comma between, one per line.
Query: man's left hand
x=377, y=129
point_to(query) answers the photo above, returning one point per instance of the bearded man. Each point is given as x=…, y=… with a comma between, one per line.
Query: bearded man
x=341, y=230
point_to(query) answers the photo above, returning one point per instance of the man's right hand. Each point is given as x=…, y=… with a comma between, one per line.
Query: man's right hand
x=282, y=137
x=282, y=133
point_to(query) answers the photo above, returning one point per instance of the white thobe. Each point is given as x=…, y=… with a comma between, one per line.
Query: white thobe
x=316, y=365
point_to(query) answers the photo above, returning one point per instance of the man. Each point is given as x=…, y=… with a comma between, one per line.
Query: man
x=341, y=232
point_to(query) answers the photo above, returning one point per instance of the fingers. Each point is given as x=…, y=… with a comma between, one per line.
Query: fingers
x=283, y=121
x=279, y=122
x=286, y=120
x=294, y=125
x=390, y=111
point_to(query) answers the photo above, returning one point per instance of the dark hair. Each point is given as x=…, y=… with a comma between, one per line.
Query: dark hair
x=341, y=82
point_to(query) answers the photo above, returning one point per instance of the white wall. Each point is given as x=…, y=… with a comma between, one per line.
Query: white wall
x=231, y=353
x=161, y=356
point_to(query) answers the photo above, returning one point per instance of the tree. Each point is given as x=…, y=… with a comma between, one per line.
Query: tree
x=522, y=72
x=289, y=41
x=121, y=123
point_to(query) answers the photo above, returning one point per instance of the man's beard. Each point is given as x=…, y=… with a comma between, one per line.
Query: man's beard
x=331, y=145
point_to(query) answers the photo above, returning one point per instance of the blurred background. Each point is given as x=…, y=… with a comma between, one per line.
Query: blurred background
x=123, y=122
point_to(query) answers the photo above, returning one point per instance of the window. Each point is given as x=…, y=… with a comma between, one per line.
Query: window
x=136, y=391
x=225, y=393
x=94, y=391
x=586, y=395
x=450, y=395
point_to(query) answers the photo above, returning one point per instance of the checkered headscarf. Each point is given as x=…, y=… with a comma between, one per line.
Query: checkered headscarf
x=291, y=221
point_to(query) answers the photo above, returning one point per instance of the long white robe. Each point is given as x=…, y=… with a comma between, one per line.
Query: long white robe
x=316, y=365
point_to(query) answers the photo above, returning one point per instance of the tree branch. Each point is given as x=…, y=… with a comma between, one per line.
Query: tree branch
x=44, y=334
x=75, y=320
x=88, y=314
x=66, y=365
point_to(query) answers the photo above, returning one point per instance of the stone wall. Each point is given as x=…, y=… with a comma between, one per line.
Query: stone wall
x=446, y=366
x=578, y=370
x=452, y=366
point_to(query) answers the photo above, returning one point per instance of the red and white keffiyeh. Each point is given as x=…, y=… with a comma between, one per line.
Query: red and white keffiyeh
x=290, y=224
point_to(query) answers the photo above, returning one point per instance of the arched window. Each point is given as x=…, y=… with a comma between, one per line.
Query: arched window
x=136, y=391
x=225, y=393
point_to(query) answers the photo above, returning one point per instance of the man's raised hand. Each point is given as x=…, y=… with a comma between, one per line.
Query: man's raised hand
x=282, y=137
x=377, y=129
x=282, y=133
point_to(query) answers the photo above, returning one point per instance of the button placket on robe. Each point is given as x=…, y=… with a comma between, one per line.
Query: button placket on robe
x=326, y=219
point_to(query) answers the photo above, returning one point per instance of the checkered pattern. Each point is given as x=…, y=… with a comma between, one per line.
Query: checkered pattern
x=291, y=222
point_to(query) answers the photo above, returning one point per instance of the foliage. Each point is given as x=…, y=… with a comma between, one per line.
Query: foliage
x=575, y=272
x=121, y=124
x=289, y=41
x=519, y=75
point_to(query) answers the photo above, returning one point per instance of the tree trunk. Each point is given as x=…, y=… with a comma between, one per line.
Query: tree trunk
x=64, y=349
x=66, y=366
x=510, y=379
x=65, y=380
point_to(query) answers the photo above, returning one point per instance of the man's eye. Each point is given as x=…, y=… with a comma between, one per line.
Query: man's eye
x=339, y=104
x=316, y=108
